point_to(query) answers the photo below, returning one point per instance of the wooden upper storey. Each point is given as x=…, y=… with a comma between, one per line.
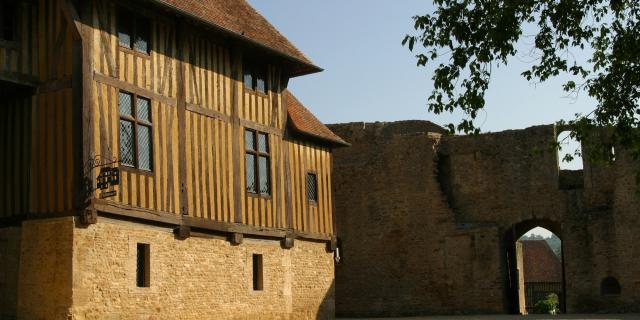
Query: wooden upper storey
x=204, y=92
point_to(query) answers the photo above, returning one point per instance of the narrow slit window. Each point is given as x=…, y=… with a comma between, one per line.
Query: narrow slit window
x=312, y=187
x=143, y=273
x=135, y=131
x=258, y=284
x=257, y=163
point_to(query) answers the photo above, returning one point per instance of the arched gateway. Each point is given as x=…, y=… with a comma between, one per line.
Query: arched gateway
x=514, y=286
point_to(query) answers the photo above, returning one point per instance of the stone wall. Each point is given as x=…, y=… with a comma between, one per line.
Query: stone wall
x=426, y=221
x=45, y=277
x=9, y=266
x=402, y=251
x=202, y=277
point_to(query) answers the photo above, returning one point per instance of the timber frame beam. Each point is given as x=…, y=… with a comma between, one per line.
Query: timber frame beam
x=119, y=210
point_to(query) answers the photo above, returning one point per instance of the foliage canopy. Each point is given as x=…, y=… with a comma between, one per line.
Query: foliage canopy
x=478, y=35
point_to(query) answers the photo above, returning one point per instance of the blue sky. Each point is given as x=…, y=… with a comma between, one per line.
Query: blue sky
x=369, y=76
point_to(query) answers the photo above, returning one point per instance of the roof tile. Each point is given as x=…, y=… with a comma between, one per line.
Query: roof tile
x=240, y=18
x=540, y=263
x=303, y=121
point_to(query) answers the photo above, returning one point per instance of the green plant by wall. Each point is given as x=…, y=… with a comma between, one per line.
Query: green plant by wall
x=548, y=305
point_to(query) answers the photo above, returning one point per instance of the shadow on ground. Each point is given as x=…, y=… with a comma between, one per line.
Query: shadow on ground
x=516, y=317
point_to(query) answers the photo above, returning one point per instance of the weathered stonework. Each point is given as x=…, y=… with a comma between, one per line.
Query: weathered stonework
x=70, y=272
x=9, y=266
x=426, y=220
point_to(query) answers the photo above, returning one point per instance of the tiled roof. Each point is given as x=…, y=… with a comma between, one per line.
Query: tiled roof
x=241, y=19
x=540, y=263
x=304, y=122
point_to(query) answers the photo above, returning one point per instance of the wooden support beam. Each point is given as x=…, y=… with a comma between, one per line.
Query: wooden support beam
x=19, y=79
x=182, y=122
x=153, y=216
x=129, y=87
x=71, y=14
x=236, y=62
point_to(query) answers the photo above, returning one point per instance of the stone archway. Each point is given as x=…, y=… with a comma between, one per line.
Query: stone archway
x=513, y=283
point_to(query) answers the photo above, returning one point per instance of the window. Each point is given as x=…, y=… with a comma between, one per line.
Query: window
x=257, y=162
x=569, y=151
x=143, y=265
x=135, y=131
x=133, y=31
x=257, y=273
x=610, y=286
x=8, y=14
x=254, y=78
x=312, y=187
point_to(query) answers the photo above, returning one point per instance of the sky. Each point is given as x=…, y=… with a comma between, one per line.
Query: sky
x=540, y=231
x=369, y=76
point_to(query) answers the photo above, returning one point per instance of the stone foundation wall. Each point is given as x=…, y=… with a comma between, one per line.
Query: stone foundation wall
x=45, y=276
x=9, y=267
x=202, y=277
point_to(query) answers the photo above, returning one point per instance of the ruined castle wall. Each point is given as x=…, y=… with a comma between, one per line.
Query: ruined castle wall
x=402, y=252
x=9, y=267
x=424, y=220
x=202, y=277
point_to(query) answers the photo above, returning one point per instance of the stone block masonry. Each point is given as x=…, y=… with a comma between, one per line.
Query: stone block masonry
x=427, y=221
x=67, y=271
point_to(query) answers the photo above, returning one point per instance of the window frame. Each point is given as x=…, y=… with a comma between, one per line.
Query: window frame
x=135, y=21
x=257, y=271
x=136, y=122
x=251, y=69
x=256, y=163
x=313, y=202
x=14, y=28
x=143, y=277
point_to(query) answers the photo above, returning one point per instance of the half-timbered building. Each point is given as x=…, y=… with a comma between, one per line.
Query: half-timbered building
x=154, y=165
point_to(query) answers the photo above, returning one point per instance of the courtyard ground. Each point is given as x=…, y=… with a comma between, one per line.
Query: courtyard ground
x=516, y=317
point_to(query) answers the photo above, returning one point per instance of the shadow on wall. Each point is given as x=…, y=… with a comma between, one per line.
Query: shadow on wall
x=327, y=309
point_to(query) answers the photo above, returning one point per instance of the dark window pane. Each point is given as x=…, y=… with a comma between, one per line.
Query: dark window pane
x=257, y=272
x=125, y=28
x=8, y=20
x=261, y=85
x=263, y=143
x=249, y=140
x=250, y=167
x=144, y=147
x=126, y=143
x=143, y=33
x=142, y=265
x=312, y=187
x=265, y=175
x=143, y=109
x=124, y=104
x=248, y=79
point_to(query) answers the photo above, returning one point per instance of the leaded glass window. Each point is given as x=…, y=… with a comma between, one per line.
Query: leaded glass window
x=257, y=162
x=135, y=131
x=255, y=77
x=312, y=187
x=134, y=31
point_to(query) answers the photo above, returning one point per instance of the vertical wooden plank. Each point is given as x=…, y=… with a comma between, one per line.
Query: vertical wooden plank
x=218, y=166
x=209, y=146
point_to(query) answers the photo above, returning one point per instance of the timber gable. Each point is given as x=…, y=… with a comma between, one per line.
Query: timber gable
x=191, y=73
